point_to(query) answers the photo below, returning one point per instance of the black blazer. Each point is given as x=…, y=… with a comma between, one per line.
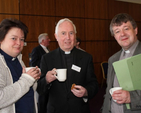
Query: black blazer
x=36, y=56
x=61, y=99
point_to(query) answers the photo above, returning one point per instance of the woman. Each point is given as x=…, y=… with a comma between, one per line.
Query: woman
x=17, y=87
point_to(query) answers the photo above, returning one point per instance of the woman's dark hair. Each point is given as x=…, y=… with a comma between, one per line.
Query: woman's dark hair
x=121, y=18
x=7, y=24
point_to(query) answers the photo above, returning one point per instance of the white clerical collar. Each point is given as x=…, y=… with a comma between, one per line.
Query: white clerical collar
x=67, y=52
x=13, y=59
x=132, y=48
x=127, y=51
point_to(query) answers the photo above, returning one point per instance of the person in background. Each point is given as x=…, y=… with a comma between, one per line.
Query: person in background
x=80, y=71
x=40, y=50
x=17, y=87
x=36, y=56
x=77, y=43
x=124, y=29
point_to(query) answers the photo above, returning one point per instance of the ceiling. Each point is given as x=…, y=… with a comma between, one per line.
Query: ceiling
x=131, y=1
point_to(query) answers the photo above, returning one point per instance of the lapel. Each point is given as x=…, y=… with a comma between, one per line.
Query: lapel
x=77, y=56
x=138, y=49
x=41, y=50
x=57, y=59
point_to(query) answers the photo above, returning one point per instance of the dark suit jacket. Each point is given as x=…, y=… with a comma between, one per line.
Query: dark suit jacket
x=61, y=99
x=135, y=104
x=36, y=56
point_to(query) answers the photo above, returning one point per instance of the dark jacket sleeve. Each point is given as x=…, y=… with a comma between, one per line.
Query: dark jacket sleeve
x=42, y=83
x=92, y=84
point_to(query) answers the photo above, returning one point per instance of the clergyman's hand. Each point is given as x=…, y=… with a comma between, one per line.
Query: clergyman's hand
x=121, y=96
x=79, y=91
x=50, y=76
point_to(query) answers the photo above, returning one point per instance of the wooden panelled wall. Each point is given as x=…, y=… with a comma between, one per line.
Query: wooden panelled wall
x=91, y=17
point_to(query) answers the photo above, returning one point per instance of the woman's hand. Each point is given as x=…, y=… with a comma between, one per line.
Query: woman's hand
x=34, y=72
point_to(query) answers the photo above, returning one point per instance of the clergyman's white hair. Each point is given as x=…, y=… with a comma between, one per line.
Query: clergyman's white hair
x=61, y=21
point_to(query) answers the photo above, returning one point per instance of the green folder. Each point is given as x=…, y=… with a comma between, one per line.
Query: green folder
x=128, y=73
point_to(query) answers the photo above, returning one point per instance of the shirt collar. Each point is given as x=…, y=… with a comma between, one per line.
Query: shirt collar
x=43, y=46
x=66, y=52
x=132, y=48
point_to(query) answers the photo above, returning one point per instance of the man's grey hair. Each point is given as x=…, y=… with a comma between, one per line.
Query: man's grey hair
x=61, y=21
x=41, y=37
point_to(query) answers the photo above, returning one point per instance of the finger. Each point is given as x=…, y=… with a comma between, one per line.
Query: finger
x=36, y=66
x=37, y=76
x=117, y=92
x=53, y=72
x=54, y=69
x=78, y=87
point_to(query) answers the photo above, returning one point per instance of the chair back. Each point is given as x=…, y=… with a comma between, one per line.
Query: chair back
x=104, y=66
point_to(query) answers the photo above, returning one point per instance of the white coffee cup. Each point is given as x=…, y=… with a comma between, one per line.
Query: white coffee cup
x=61, y=74
x=28, y=68
x=114, y=89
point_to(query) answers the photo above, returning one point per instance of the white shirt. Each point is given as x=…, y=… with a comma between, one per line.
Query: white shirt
x=45, y=49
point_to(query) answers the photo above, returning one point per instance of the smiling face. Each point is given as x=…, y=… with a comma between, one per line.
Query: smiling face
x=66, y=36
x=13, y=42
x=125, y=35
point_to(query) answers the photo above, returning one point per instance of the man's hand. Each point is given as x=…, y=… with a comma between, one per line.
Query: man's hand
x=121, y=96
x=50, y=76
x=79, y=91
